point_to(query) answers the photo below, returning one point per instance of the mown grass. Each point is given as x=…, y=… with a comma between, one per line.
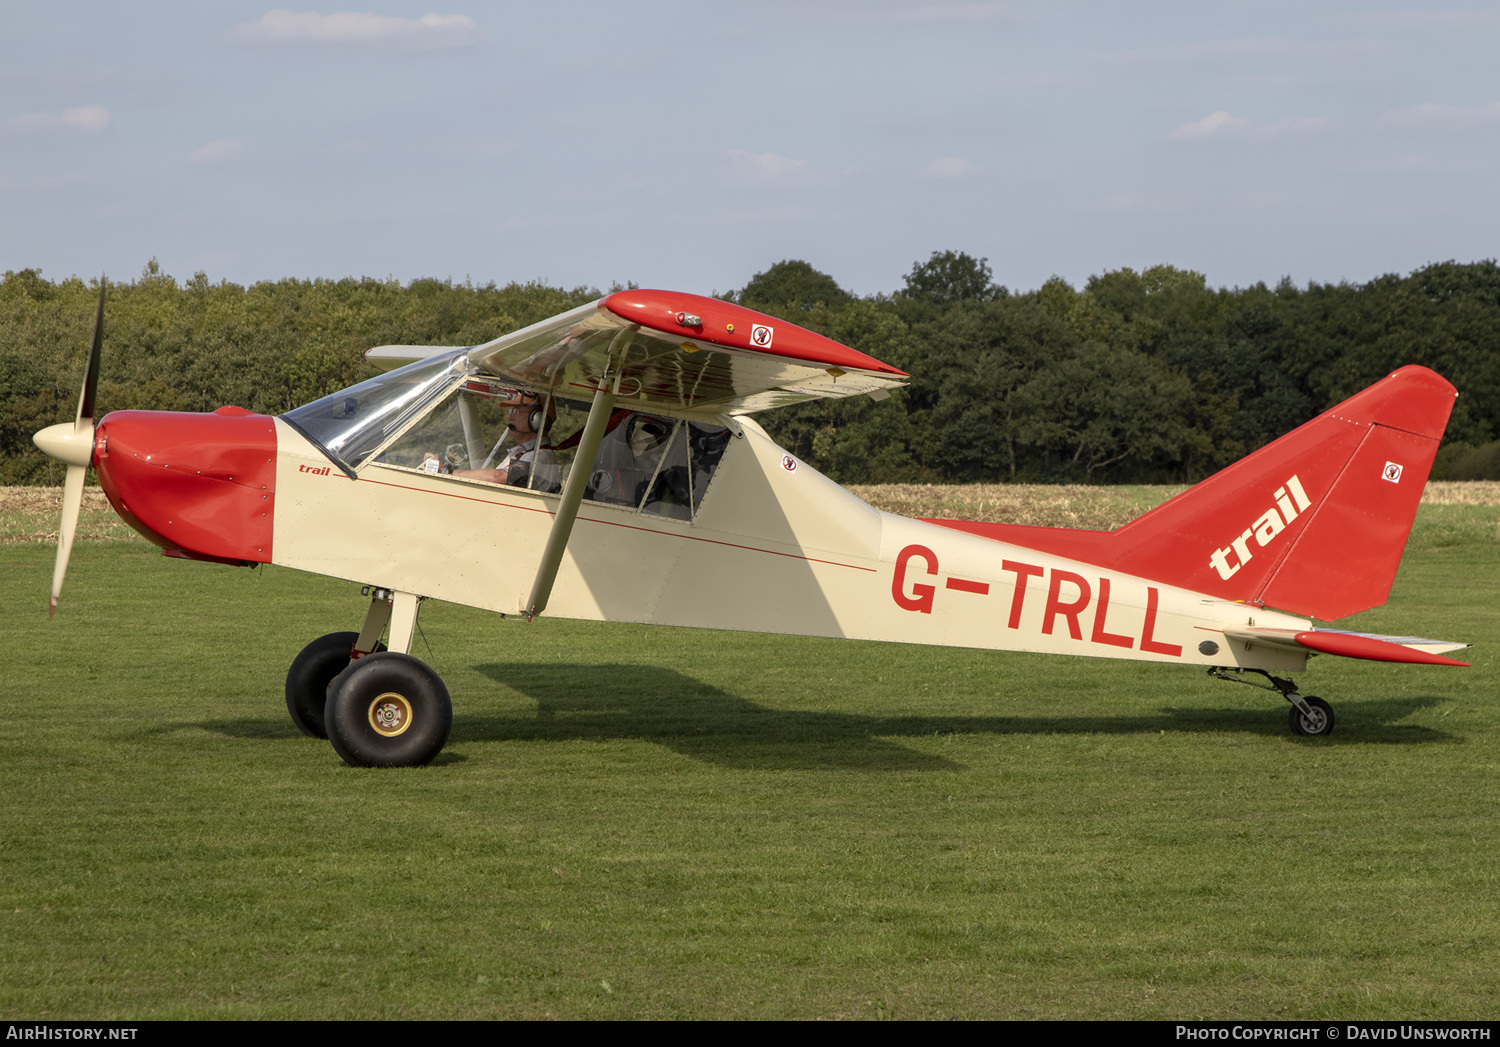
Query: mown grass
x=635, y=822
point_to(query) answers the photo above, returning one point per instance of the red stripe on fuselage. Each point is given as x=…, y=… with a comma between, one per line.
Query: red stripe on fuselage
x=615, y=523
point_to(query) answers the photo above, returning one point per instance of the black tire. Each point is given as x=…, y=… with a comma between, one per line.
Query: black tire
x=388, y=710
x=1318, y=725
x=308, y=679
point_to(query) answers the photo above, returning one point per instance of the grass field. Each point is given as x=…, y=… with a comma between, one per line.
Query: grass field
x=643, y=822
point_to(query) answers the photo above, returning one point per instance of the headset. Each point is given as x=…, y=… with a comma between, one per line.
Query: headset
x=539, y=410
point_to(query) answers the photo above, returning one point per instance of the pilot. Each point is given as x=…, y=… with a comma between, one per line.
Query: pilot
x=526, y=464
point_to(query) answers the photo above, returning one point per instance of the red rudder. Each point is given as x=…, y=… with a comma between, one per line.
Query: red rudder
x=1313, y=523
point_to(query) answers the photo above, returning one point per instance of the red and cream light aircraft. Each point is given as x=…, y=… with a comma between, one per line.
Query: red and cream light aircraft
x=604, y=465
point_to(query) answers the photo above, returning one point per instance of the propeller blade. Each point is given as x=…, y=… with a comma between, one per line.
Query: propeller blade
x=72, y=504
x=91, y=372
x=75, y=447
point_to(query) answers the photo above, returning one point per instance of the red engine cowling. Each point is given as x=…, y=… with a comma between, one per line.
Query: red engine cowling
x=201, y=486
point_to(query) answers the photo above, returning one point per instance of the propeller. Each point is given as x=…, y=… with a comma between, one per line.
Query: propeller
x=73, y=444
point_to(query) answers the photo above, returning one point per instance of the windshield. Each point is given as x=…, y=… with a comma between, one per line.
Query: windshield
x=351, y=424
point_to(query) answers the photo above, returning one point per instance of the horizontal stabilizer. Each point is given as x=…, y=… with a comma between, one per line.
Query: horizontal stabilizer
x=1369, y=646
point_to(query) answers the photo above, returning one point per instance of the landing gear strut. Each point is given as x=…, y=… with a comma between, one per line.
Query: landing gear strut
x=1309, y=717
x=378, y=707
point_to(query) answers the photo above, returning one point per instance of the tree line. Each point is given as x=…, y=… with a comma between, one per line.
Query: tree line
x=1134, y=377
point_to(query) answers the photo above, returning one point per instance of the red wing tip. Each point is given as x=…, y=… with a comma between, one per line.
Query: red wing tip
x=731, y=325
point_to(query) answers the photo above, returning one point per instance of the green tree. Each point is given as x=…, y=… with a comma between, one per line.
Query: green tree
x=952, y=276
x=1149, y=375
x=1104, y=408
x=792, y=287
x=966, y=396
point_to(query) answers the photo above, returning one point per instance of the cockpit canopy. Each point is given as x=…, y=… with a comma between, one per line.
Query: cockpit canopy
x=352, y=424
x=437, y=416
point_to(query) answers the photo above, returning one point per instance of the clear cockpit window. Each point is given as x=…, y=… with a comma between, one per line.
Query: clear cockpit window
x=630, y=455
x=706, y=446
x=351, y=424
x=654, y=465
x=473, y=435
x=433, y=417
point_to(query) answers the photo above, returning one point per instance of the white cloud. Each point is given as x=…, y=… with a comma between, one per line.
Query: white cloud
x=1211, y=126
x=949, y=167
x=431, y=32
x=217, y=151
x=746, y=168
x=991, y=11
x=1435, y=115
x=1222, y=125
x=86, y=119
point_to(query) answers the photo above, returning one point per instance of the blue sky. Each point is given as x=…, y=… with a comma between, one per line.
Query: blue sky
x=689, y=145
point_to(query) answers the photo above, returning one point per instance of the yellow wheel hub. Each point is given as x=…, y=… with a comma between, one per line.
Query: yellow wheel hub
x=390, y=714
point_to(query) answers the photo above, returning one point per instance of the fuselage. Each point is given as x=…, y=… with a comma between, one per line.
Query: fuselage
x=774, y=546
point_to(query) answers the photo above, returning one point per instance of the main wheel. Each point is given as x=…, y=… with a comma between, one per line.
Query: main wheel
x=1319, y=724
x=308, y=679
x=388, y=710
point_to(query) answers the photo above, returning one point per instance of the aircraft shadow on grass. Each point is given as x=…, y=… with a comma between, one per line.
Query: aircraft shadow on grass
x=698, y=720
x=617, y=702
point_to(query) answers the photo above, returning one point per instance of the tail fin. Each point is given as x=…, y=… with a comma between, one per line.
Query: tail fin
x=1313, y=523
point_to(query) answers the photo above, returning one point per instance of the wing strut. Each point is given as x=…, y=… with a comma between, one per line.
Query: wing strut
x=578, y=478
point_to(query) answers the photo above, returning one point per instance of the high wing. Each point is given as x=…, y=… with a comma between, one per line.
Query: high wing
x=675, y=353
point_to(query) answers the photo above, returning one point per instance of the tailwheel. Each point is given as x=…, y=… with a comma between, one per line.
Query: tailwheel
x=311, y=673
x=1315, y=722
x=388, y=710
